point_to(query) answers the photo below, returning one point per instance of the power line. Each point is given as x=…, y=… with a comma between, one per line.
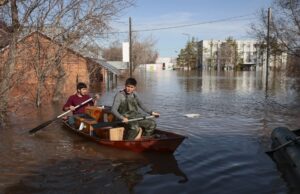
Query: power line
x=189, y=25
x=235, y=18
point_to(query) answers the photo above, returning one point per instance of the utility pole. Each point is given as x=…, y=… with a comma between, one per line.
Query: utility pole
x=268, y=47
x=130, y=49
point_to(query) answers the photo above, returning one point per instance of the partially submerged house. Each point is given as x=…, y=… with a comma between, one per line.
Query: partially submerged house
x=47, y=70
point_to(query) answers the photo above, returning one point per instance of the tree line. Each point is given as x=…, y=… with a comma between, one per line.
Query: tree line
x=284, y=37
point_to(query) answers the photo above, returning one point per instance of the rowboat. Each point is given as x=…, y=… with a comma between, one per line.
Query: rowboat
x=286, y=153
x=161, y=141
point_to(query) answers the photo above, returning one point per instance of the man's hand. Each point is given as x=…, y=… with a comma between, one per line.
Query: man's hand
x=72, y=108
x=125, y=120
x=156, y=114
x=97, y=97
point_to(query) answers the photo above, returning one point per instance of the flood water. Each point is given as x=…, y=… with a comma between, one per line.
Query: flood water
x=224, y=151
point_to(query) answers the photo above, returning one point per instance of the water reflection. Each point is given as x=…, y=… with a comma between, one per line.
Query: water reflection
x=134, y=163
x=133, y=172
x=165, y=164
x=96, y=175
x=91, y=176
x=241, y=81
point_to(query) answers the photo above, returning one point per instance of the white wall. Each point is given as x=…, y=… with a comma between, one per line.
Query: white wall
x=125, y=51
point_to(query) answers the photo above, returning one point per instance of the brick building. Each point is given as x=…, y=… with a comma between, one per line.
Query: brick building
x=47, y=70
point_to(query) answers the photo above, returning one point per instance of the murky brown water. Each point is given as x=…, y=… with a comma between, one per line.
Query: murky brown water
x=224, y=152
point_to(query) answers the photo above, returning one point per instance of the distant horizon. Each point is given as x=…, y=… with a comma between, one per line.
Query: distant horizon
x=173, y=22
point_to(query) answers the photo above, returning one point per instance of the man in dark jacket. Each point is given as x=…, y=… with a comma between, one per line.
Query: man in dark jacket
x=125, y=106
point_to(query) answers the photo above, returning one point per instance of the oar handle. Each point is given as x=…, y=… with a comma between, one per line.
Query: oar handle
x=63, y=114
x=107, y=124
x=141, y=118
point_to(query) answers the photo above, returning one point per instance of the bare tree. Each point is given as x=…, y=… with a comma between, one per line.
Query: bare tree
x=114, y=52
x=7, y=69
x=143, y=51
x=229, y=54
x=69, y=23
x=286, y=24
x=284, y=28
x=3, y=2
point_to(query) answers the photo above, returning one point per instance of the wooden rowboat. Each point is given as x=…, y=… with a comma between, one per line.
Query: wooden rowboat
x=162, y=141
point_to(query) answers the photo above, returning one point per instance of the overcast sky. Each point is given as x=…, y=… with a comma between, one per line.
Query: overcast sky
x=172, y=22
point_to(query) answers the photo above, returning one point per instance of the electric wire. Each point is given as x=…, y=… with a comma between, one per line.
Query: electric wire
x=234, y=18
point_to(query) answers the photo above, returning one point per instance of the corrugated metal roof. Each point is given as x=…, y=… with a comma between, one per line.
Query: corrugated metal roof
x=119, y=64
x=107, y=66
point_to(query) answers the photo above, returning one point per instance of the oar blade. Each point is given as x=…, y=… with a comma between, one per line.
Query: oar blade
x=41, y=126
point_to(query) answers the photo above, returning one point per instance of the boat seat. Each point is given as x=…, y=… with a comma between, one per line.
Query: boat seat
x=84, y=123
x=109, y=133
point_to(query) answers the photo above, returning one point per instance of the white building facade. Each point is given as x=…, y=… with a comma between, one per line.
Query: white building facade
x=167, y=62
x=249, y=55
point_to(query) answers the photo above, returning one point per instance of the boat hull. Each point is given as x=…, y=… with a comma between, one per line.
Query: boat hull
x=287, y=158
x=164, y=142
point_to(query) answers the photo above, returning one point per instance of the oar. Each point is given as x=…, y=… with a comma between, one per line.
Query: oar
x=270, y=153
x=108, y=124
x=59, y=116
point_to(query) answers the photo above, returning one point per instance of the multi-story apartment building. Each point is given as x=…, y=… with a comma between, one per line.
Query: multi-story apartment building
x=217, y=54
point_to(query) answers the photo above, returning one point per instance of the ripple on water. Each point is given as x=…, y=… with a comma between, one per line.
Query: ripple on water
x=222, y=154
